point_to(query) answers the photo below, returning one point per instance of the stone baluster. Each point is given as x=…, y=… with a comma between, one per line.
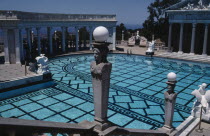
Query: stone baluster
x=170, y=99
x=205, y=40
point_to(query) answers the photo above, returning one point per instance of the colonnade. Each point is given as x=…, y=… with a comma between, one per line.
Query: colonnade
x=192, y=47
x=13, y=41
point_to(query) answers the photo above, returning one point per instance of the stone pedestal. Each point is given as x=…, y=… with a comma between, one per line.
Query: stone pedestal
x=170, y=99
x=100, y=71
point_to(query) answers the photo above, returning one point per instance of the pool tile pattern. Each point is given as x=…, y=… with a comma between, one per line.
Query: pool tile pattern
x=136, y=92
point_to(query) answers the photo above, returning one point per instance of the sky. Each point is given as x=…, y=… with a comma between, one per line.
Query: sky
x=130, y=12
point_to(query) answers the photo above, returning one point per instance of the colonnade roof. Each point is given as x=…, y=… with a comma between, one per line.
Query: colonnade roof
x=32, y=16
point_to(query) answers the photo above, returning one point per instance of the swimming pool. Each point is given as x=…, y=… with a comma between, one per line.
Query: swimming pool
x=136, y=91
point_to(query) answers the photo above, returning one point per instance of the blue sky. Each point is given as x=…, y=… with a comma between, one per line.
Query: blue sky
x=130, y=12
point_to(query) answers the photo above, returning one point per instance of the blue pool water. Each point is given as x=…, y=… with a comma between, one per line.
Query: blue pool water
x=136, y=92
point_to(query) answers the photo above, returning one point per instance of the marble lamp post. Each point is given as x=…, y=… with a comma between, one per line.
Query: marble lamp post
x=100, y=71
x=170, y=99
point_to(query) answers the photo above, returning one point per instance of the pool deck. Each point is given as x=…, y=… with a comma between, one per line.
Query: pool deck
x=11, y=71
x=205, y=128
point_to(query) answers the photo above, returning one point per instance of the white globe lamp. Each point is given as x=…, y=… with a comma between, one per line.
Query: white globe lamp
x=171, y=76
x=100, y=34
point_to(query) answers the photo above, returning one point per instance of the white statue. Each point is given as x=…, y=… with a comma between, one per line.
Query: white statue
x=151, y=46
x=200, y=3
x=137, y=35
x=203, y=100
x=42, y=62
x=131, y=41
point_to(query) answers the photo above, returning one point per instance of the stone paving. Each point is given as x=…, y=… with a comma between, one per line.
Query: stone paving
x=11, y=71
x=205, y=130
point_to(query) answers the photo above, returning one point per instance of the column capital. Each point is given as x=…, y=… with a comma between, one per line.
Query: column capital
x=181, y=24
x=206, y=25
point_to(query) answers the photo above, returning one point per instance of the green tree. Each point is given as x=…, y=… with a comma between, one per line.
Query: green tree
x=121, y=29
x=156, y=22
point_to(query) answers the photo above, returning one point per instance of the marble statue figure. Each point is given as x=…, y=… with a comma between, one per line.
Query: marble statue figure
x=42, y=62
x=202, y=100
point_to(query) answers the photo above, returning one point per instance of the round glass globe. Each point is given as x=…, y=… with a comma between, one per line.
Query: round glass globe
x=100, y=34
x=171, y=76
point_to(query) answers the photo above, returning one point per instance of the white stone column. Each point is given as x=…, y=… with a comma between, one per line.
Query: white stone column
x=91, y=37
x=84, y=35
x=6, y=49
x=63, y=39
x=205, y=40
x=114, y=38
x=169, y=37
x=22, y=55
x=17, y=46
x=193, y=38
x=49, y=31
x=181, y=38
x=38, y=40
x=77, y=38
x=28, y=31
